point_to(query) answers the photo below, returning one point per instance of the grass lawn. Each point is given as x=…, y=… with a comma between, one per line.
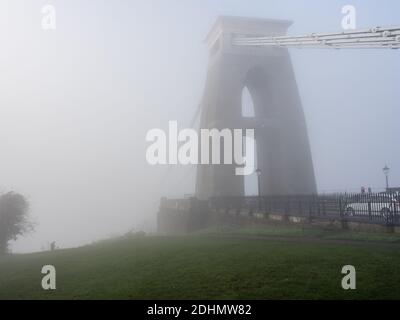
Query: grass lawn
x=288, y=231
x=204, y=267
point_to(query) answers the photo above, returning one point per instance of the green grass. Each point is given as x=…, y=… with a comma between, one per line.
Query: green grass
x=204, y=267
x=305, y=232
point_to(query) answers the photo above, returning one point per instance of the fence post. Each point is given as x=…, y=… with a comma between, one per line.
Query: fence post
x=342, y=215
x=300, y=207
x=369, y=210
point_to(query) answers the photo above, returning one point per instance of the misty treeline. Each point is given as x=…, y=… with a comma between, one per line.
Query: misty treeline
x=14, y=219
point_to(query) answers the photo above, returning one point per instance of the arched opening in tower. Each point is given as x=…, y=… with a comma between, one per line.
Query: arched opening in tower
x=254, y=106
x=248, y=109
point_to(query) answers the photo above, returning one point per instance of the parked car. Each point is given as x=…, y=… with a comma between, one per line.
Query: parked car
x=382, y=205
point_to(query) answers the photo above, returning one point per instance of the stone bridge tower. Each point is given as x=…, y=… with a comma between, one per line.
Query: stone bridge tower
x=283, y=150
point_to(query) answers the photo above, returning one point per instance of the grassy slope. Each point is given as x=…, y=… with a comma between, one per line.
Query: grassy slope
x=200, y=267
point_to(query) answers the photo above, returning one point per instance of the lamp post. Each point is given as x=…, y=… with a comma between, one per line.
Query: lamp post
x=258, y=171
x=386, y=171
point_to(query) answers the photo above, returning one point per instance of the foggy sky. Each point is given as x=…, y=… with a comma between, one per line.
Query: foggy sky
x=77, y=102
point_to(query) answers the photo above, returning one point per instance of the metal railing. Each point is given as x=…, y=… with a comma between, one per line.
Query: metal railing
x=377, y=208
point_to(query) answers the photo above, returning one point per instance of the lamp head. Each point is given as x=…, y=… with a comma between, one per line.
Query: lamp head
x=386, y=170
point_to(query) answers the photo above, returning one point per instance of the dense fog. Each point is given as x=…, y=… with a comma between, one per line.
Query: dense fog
x=76, y=104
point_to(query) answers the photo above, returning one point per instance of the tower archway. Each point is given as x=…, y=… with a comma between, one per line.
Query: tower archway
x=248, y=110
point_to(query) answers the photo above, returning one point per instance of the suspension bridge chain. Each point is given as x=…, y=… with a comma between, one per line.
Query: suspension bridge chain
x=375, y=38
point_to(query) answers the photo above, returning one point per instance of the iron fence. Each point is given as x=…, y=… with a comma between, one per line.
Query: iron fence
x=377, y=208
